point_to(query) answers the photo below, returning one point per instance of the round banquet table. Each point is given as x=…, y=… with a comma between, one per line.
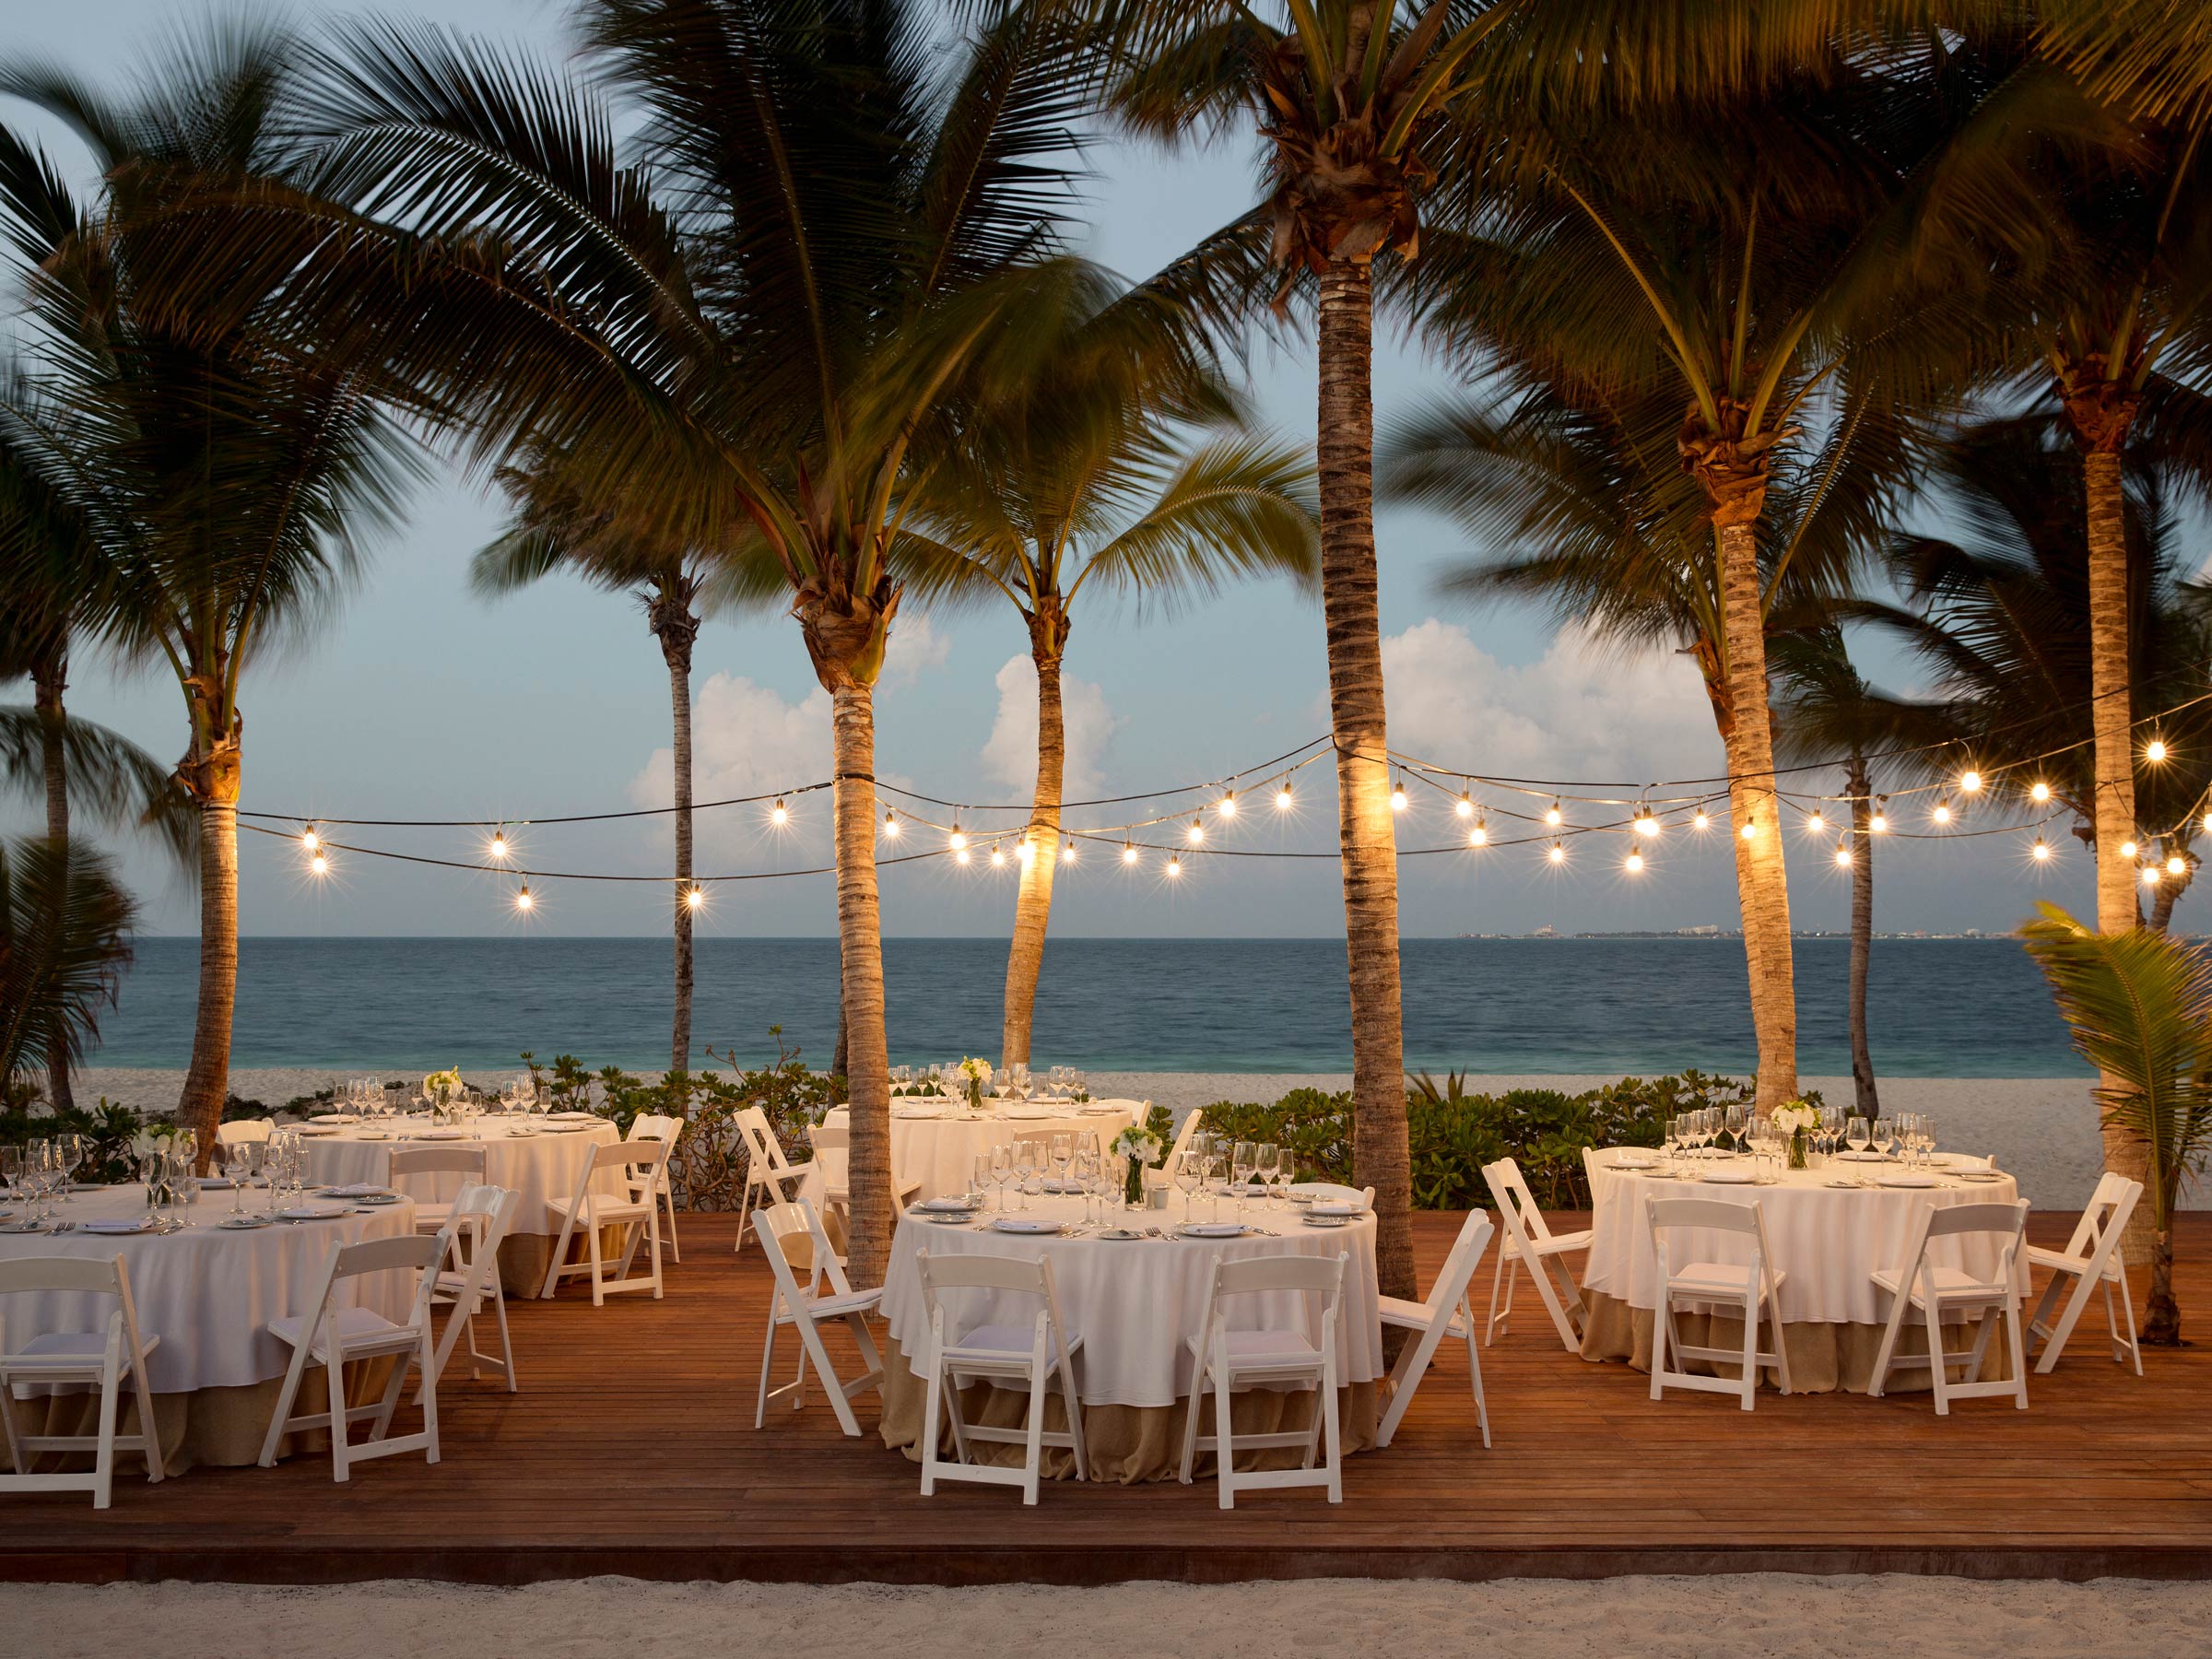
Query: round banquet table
x=1136, y=1304
x=539, y=1167
x=936, y=1142
x=209, y=1294
x=1828, y=1240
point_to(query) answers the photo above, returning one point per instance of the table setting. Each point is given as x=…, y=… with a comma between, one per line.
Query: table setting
x=1839, y=1194
x=1133, y=1281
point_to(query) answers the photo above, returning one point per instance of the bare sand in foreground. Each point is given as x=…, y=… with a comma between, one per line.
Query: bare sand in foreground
x=1891, y=1617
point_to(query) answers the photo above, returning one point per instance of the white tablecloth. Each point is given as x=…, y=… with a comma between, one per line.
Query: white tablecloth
x=540, y=1166
x=208, y=1293
x=940, y=1151
x=1828, y=1240
x=1138, y=1303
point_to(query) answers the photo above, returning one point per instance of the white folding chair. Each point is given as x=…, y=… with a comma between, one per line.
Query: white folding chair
x=832, y=1145
x=405, y=1161
x=1017, y=1356
x=1530, y=1242
x=103, y=1359
x=637, y=1165
x=661, y=1126
x=2091, y=1260
x=769, y=1176
x=470, y=1276
x=1445, y=1312
x=238, y=1131
x=1935, y=1291
x=1751, y=1288
x=1173, y=1161
x=331, y=1336
x=1231, y=1361
x=809, y=1309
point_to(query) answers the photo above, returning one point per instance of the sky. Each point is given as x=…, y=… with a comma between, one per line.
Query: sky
x=420, y=701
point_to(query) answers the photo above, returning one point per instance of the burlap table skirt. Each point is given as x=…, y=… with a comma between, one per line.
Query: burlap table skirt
x=1824, y=1357
x=221, y=1428
x=1127, y=1444
x=523, y=1258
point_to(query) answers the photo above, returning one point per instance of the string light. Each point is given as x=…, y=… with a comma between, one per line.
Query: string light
x=2154, y=751
x=1174, y=867
x=523, y=899
x=1466, y=806
x=1129, y=854
x=1197, y=833
x=1751, y=829
x=498, y=849
x=694, y=896
x=1970, y=782
x=320, y=864
x=960, y=856
x=957, y=840
x=1553, y=816
x=1815, y=824
x=1942, y=814
x=1226, y=806
x=2040, y=851
x=1879, y=823
x=1397, y=796
x=2150, y=875
x=890, y=824
x=1282, y=796
x=2175, y=864
x=1068, y=854
x=1633, y=863
x=1704, y=820
x=779, y=815
x=1026, y=850
x=2128, y=849
x=310, y=840
x=1480, y=835
x=2039, y=791
x=998, y=857
x=1844, y=853
x=2208, y=823
x=1646, y=825
x=1557, y=854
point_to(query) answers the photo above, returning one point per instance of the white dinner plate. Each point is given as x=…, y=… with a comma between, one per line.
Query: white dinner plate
x=1848, y=1185
x=1121, y=1234
x=917, y=1114
x=570, y=1117
x=1326, y=1220
x=1017, y=1224
x=376, y=1197
x=1863, y=1157
x=958, y=1206
x=1211, y=1230
x=564, y=1129
x=248, y=1223
x=312, y=1212
x=378, y=1135
x=1727, y=1177
x=1029, y=1114
x=1341, y=1211
x=441, y=1135
x=1981, y=1176
x=317, y=1128
x=112, y=1224
x=20, y=1227
x=1106, y=1112
x=337, y=1117
x=1635, y=1163
x=1901, y=1179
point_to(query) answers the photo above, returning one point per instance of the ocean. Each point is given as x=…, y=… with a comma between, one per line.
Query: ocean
x=1937, y=1007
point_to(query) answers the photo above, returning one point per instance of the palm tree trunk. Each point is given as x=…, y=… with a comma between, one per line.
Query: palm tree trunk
x=2163, y=1316
x=1862, y=935
x=1033, y=898
x=2170, y=892
x=49, y=679
x=1762, y=876
x=208, y=1082
x=2110, y=721
x=860, y=950
x=1351, y=614
x=678, y=629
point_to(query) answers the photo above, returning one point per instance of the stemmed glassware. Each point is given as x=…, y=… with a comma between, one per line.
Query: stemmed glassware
x=1243, y=1159
x=1061, y=1152
x=1885, y=1135
x=1735, y=1125
x=1264, y=1157
x=1189, y=1176
x=1002, y=1172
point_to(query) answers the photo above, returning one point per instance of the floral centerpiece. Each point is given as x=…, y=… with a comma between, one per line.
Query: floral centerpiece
x=1798, y=1120
x=1141, y=1149
x=442, y=1088
x=977, y=1074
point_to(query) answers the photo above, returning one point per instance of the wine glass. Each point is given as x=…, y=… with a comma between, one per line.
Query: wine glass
x=1733, y=1122
x=1243, y=1157
x=11, y=1171
x=1885, y=1130
x=1857, y=1132
x=1026, y=1163
x=1264, y=1158
x=1002, y=1171
x=1188, y=1177
x=1062, y=1152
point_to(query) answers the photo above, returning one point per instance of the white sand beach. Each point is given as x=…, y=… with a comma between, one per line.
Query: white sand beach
x=2042, y=1129
x=1891, y=1617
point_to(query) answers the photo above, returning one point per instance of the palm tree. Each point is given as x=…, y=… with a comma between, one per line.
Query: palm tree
x=2140, y=1005
x=2003, y=620
x=224, y=484
x=551, y=531
x=66, y=927
x=1737, y=314
x=846, y=264
x=1078, y=483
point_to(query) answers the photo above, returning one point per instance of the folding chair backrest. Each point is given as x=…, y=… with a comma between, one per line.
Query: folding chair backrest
x=1510, y=1188
x=776, y=1222
x=1465, y=1255
x=1715, y=1213
x=640, y=1157
x=420, y=1253
x=1015, y=1276
x=1182, y=1136
x=83, y=1276
x=830, y=1137
x=1319, y=1277
x=241, y=1130
x=655, y=1126
x=2008, y=1222
x=760, y=1141
x=2106, y=1215
x=437, y=1160
x=491, y=1208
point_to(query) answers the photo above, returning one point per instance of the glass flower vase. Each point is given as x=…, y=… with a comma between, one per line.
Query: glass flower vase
x=1801, y=1149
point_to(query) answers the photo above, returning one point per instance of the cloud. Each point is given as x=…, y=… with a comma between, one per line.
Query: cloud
x=916, y=648
x=1583, y=710
x=1010, y=752
x=746, y=739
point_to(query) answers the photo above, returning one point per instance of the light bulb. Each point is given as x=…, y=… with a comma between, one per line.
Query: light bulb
x=1129, y=854
x=1844, y=853
x=1970, y=782
x=1282, y=796
x=890, y=825
x=1702, y=822
x=998, y=858
x=2150, y=875
x=2039, y=791
x=2174, y=865
x=320, y=864
x=499, y=846
x=957, y=841
x=1026, y=850
x=1557, y=854
x=1878, y=824
x=2208, y=823
x=310, y=840
x=1465, y=808
x=694, y=896
x=1068, y=854
x=1749, y=831
x=960, y=856
x=523, y=901
x=1634, y=862
x=1815, y=824
x=1553, y=816
x=2128, y=849
x=1196, y=833
x=779, y=815
x=2040, y=851
x=1646, y=825
x=1397, y=798
x=1174, y=867
x=1226, y=806
x=1480, y=835
x=1942, y=814
x=2154, y=750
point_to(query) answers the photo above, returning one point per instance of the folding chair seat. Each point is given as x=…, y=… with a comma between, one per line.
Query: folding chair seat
x=1936, y=1289
x=1749, y=1289
x=1030, y=1356
x=1229, y=1360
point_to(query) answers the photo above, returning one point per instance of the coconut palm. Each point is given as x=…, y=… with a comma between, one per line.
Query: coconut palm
x=1077, y=484
x=225, y=484
x=66, y=927
x=2140, y=1005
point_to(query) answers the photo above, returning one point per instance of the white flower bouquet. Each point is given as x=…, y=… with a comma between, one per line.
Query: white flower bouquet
x=977, y=1074
x=440, y=1087
x=153, y=1143
x=1141, y=1149
x=1797, y=1119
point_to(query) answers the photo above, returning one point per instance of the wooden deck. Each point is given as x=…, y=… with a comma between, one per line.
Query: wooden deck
x=631, y=1451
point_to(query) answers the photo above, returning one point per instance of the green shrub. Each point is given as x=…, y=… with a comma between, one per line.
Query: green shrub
x=107, y=1129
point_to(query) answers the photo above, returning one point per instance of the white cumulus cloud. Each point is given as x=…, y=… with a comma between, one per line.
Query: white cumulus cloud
x=916, y=648
x=746, y=739
x=1010, y=752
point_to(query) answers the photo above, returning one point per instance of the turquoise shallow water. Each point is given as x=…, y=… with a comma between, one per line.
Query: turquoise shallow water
x=1938, y=1007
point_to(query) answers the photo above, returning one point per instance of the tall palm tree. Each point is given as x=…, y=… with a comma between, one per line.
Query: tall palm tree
x=2003, y=619
x=1733, y=311
x=65, y=927
x=856, y=247
x=1078, y=483
x=225, y=484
